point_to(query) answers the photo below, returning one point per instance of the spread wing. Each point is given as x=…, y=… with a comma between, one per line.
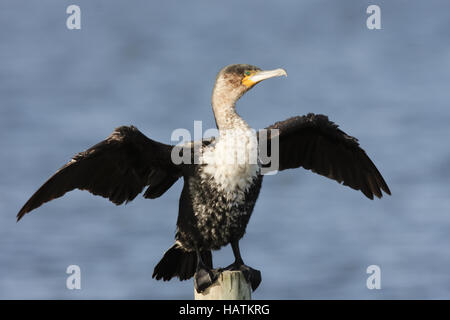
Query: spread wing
x=117, y=168
x=317, y=144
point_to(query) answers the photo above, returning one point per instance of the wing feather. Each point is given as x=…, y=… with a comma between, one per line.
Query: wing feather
x=117, y=168
x=317, y=144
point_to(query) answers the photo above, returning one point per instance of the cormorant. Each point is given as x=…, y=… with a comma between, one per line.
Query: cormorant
x=217, y=198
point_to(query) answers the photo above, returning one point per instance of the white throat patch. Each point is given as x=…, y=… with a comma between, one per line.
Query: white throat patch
x=232, y=161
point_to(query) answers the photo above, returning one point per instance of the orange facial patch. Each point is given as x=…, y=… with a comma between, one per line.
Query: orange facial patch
x=247, y=81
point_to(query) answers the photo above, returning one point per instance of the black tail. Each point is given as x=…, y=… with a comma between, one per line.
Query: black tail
x=177, y=262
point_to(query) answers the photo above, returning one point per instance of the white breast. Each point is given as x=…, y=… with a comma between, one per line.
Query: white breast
x=232, y=162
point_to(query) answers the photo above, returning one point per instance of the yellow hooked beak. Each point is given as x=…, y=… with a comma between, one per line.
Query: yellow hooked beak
x=258, y=76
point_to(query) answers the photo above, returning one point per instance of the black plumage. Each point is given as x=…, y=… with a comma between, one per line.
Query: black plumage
x=217, y=200
x=117, y=168
x=317, y=144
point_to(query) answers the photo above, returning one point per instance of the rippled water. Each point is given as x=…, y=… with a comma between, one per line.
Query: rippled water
x=153, y=65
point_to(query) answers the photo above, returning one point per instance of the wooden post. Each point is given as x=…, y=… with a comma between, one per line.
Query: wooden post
x=231, y=285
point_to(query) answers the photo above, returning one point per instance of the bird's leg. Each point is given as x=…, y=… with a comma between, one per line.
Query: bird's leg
x=204, y=275
x=252, y=276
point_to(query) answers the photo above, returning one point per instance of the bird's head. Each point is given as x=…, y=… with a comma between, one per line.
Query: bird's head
x=236, y=79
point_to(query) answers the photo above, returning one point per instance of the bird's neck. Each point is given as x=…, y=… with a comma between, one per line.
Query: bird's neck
x=228, y=119
x=225, y=113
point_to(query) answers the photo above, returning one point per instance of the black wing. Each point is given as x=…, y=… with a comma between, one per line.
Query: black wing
x=118, y=168
x=315, y=143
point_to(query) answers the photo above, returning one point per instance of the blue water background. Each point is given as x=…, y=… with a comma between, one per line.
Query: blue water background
x=152, y=64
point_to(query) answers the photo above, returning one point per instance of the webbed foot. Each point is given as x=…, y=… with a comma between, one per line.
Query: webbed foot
x=252, y=276
x=204, y=278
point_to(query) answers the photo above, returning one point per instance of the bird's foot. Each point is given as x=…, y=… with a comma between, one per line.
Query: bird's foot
x=252, y=276
x=204, y=278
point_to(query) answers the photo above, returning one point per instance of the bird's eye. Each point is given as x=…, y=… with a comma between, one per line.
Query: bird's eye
x=247, y=73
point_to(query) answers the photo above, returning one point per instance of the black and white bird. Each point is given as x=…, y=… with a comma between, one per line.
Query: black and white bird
x=218, y=196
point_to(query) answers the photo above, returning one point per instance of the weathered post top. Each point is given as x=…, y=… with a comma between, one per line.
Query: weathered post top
x=231, y=285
